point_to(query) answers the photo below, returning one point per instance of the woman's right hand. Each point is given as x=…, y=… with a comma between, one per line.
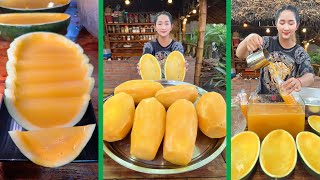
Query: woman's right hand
x=253, y=41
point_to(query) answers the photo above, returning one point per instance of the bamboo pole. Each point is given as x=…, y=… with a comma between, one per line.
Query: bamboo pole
x=202, y=29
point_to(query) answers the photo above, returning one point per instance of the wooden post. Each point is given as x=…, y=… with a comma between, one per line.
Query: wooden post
x=200, y=46
x=184, y=32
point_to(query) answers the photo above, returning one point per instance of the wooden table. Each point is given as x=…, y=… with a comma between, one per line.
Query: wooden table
x=216, y=169
x=29, y=170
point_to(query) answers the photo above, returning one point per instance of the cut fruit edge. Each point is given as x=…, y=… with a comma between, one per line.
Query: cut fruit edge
x=9, y=99
x=295, y=155
x=35, y=14
x=311, y=122
x=35, y=9
x=154, y=59
x=15, y=137
x=302, y=156
x=258, y=151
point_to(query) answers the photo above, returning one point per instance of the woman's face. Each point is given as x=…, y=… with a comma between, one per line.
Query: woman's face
x=286, y=25
x=163, y=25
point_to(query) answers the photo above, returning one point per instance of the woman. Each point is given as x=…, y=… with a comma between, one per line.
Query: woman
x=163, y=45
x=290, y=59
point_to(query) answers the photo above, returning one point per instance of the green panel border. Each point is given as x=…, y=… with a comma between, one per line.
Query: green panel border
x=100, y=88
x=228, y=90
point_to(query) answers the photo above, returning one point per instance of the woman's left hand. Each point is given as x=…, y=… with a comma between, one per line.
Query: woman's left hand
x=292, y=84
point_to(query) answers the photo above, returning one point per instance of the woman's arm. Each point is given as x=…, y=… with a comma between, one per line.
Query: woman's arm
x=295, y=84
x=249, y=44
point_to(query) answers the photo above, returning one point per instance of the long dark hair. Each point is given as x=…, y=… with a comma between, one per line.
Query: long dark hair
x=163, y=13
x=294, y=10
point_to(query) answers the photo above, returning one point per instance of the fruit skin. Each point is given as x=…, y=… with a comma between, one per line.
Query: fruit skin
x=58, y=9
x=149, y=73
x=139, y=89
x=314, y=146
x=148, y=129
x=314, y=122
x=43, y=156
x=211, y=110
x=276, y=135
x=175, y=58
x=245, y=137
x=181, y=132
x=10, y=32
x=170, y=94
x=118, y=115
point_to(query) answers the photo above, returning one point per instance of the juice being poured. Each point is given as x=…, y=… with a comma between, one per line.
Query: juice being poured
x=288, y=98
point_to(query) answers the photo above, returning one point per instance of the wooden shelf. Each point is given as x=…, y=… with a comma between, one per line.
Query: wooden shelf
x=132, y=33
x=129, y=24
x=240, y=61
x=130, y=41
x=124, y=48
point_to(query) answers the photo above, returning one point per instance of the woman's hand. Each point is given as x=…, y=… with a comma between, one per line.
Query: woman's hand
x=138, y=68
x=253, y=41
x=292, y=84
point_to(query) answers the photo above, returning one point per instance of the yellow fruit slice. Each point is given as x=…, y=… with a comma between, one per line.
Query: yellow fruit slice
x=181, y=132
x=170, y=94
x=211, y=109
x=41, y=92
x=32, y=18
x=245, y=148
x=52, y=147
x=278, y=154
x=118, y=114
x=314, y=122
x=174, y=68
x=139, y=89
x=149, y=67
x=148, y=129
x=308, y=145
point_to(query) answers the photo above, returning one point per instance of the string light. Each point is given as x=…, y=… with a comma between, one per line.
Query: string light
x=188, y=15
x=194, y=11
x=268, y=30
x=304, y=30
x=127, y=2
x=245, y=25
x=169, y=1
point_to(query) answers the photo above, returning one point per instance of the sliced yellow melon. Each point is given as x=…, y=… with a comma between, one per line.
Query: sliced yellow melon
x=245, y=148
x=34, y=4
x=170, y=94
x=278, y=154
x=139, y=89
x=149, y=67
x=52, y=147
x=40, y=92
x=314, y=122
x=174, y=68
x=308, y=145
x=118, y=114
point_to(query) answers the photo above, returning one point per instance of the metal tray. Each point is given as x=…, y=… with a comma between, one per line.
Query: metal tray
x=311, y=98
x=10, y=152
x=205, y=151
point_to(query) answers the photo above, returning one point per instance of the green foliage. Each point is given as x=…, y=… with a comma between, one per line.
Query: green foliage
x=218, y=80
x=315, y=56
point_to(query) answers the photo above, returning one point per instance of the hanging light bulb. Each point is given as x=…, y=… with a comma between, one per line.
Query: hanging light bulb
x=127, y=2
x=169, y=1
x=194, y=11
x=304, y=30
x=245, y=25
x=268, y=30
x=185, y=20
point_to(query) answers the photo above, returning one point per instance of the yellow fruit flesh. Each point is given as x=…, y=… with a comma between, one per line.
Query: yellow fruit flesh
x=139, y=89
x=278, y=154
x=308, y=145
x=43, y=91
x=148, y=129
x=50, y=112
x=118, y=115
x=149, y=67
x=34, y=4
x=175, y=66
x=170, y=94
x=211, y=110
x=34, y=18
x=52, y=147
x=181, y=132
x=245, y=149
x=314, y=122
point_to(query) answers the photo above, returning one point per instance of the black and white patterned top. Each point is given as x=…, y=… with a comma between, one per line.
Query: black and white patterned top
x=293, y=62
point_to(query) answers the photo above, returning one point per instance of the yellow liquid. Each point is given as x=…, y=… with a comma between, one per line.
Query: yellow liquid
x=244, y=110
x=264, y=118
x=288, y=98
